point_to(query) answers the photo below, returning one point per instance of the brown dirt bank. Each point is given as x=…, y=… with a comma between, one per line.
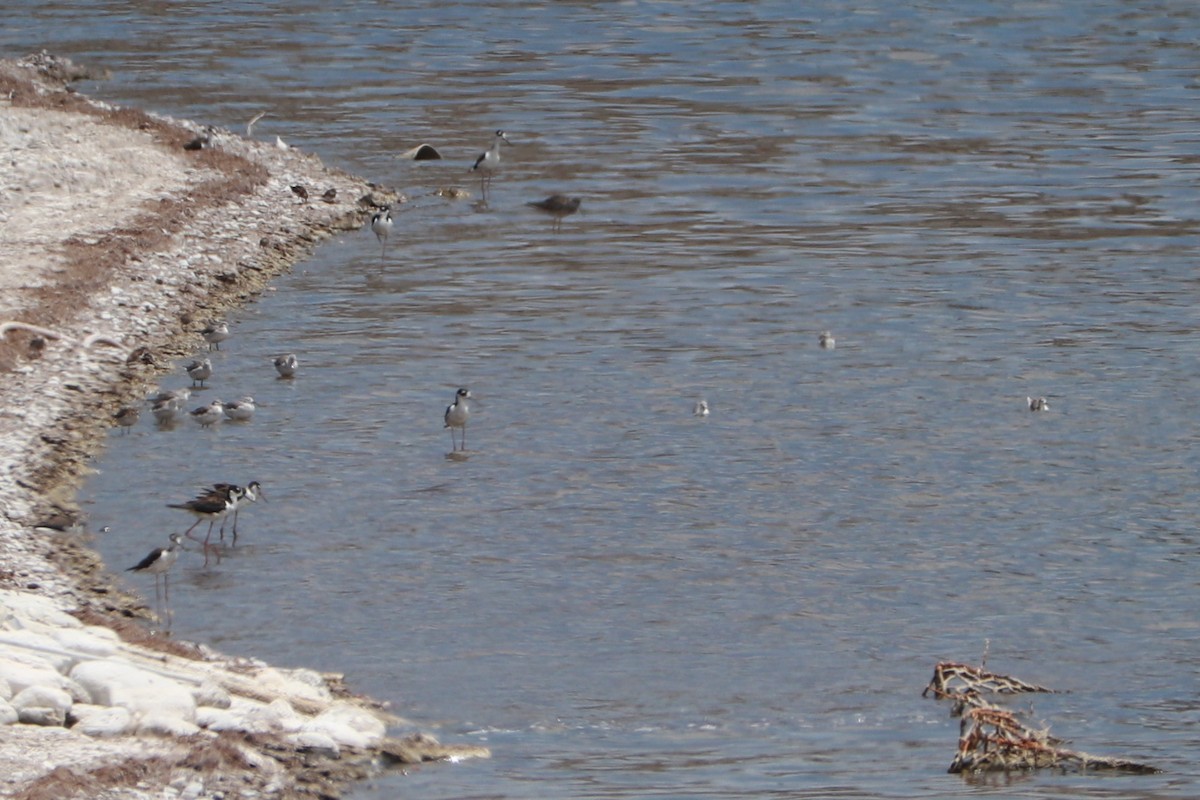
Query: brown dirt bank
x=110, y=225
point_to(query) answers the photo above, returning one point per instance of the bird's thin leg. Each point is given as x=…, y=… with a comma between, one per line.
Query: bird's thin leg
x=167, y=587
x=235, y=513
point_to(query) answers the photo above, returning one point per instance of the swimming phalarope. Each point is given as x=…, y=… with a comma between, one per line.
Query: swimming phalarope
x=1038, y=403
x=557, y=206
x=199, y=371
x=207, y=415
x=488, y=164
x=381, y=225
x=701, y=408
x=826, y=340
x=286, y=365
x=240, y=410
x=457, y=414
x=215, y=333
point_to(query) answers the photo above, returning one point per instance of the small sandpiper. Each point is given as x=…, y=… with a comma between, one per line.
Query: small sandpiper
x=207, y=415
x=127, y=417
x=214, y=334
x=826, y=340
x=381, y=225
x=300, y=192
x=240, y=410
x=1038, y=403
x=557, y=206
x=286, y=365
x=488, y=164
x=199, y=371
x=457, y=414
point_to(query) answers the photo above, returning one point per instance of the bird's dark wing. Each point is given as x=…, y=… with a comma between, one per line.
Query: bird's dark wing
x=155, y=554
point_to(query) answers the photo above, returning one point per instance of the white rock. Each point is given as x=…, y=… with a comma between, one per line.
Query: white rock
x=42, y=715
x=22, y=670
x=165, y=724
x=218, y=719
x=348, y=725
x=116, y=683
x=42, y=697
x=315, y=740
x=8, y=714
x=33, y=642
x=101, y=721
x=211, y=694
x=90, y=642
x=27, y=610
x=6, y=691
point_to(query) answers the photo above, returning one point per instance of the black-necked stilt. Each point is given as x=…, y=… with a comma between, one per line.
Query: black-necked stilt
x=381, y=225
x=701, y=408
x=286, y=365
x=211, y=505
x=157, y=562
x=127, y=417
x=207, y=415
x=236, y=496
x=215, y=333
x=456, y=416
x=300, y=192
x=1038, y=403
x=557, y=206
x=826, y=340
x=199, y=371
x=240, y=410
x=488, y=163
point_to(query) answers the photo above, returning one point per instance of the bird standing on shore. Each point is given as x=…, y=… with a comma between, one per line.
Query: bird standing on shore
x=300, y=192
x=127, y=417
x=488, y=163
x=381, y=225
x=157, y=562
x=286, y=365
x=457, y=414
x=199, y=371
x=214, y=333
x=557, y=206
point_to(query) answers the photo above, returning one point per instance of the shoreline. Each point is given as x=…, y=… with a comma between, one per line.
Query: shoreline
x=119, y=230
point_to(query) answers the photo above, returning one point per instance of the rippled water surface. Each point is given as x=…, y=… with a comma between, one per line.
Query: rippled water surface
x=983, y=201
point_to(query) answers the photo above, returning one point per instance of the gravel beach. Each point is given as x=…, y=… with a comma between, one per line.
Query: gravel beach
x=126, y=228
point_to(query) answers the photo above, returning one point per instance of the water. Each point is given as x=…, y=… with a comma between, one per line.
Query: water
x=983, y=201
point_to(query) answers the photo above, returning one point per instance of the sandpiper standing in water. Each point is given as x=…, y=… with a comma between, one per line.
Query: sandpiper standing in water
x=214, y=334
x=557, y=206
x=199, y=371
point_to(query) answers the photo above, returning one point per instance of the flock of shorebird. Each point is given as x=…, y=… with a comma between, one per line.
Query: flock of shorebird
x=487, y=164
x=219, y=501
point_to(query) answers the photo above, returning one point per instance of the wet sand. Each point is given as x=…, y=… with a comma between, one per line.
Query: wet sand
x=113, y=227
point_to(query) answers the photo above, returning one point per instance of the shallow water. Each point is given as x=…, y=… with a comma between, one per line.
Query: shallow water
x=982, y=201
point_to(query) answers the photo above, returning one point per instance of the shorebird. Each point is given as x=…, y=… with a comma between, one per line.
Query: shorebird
x=240, y=410
x=207, y=415
x=329, y=195
x=1038, y=403
x=456, y=416
x=488, y=163
x=300, y=192
x=203, y=141
x=557, y=206
x=701, y=408
x=215, y=333
x=286, y=365
x=127, y=417
x=236, y=496
x=199, y=371
x=212, y=504
x=381, y=224
x=826, y=340
x=165, y=405
x=157, y=562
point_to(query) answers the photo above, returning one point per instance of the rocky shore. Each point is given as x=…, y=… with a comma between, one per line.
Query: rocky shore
x=129, y=228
